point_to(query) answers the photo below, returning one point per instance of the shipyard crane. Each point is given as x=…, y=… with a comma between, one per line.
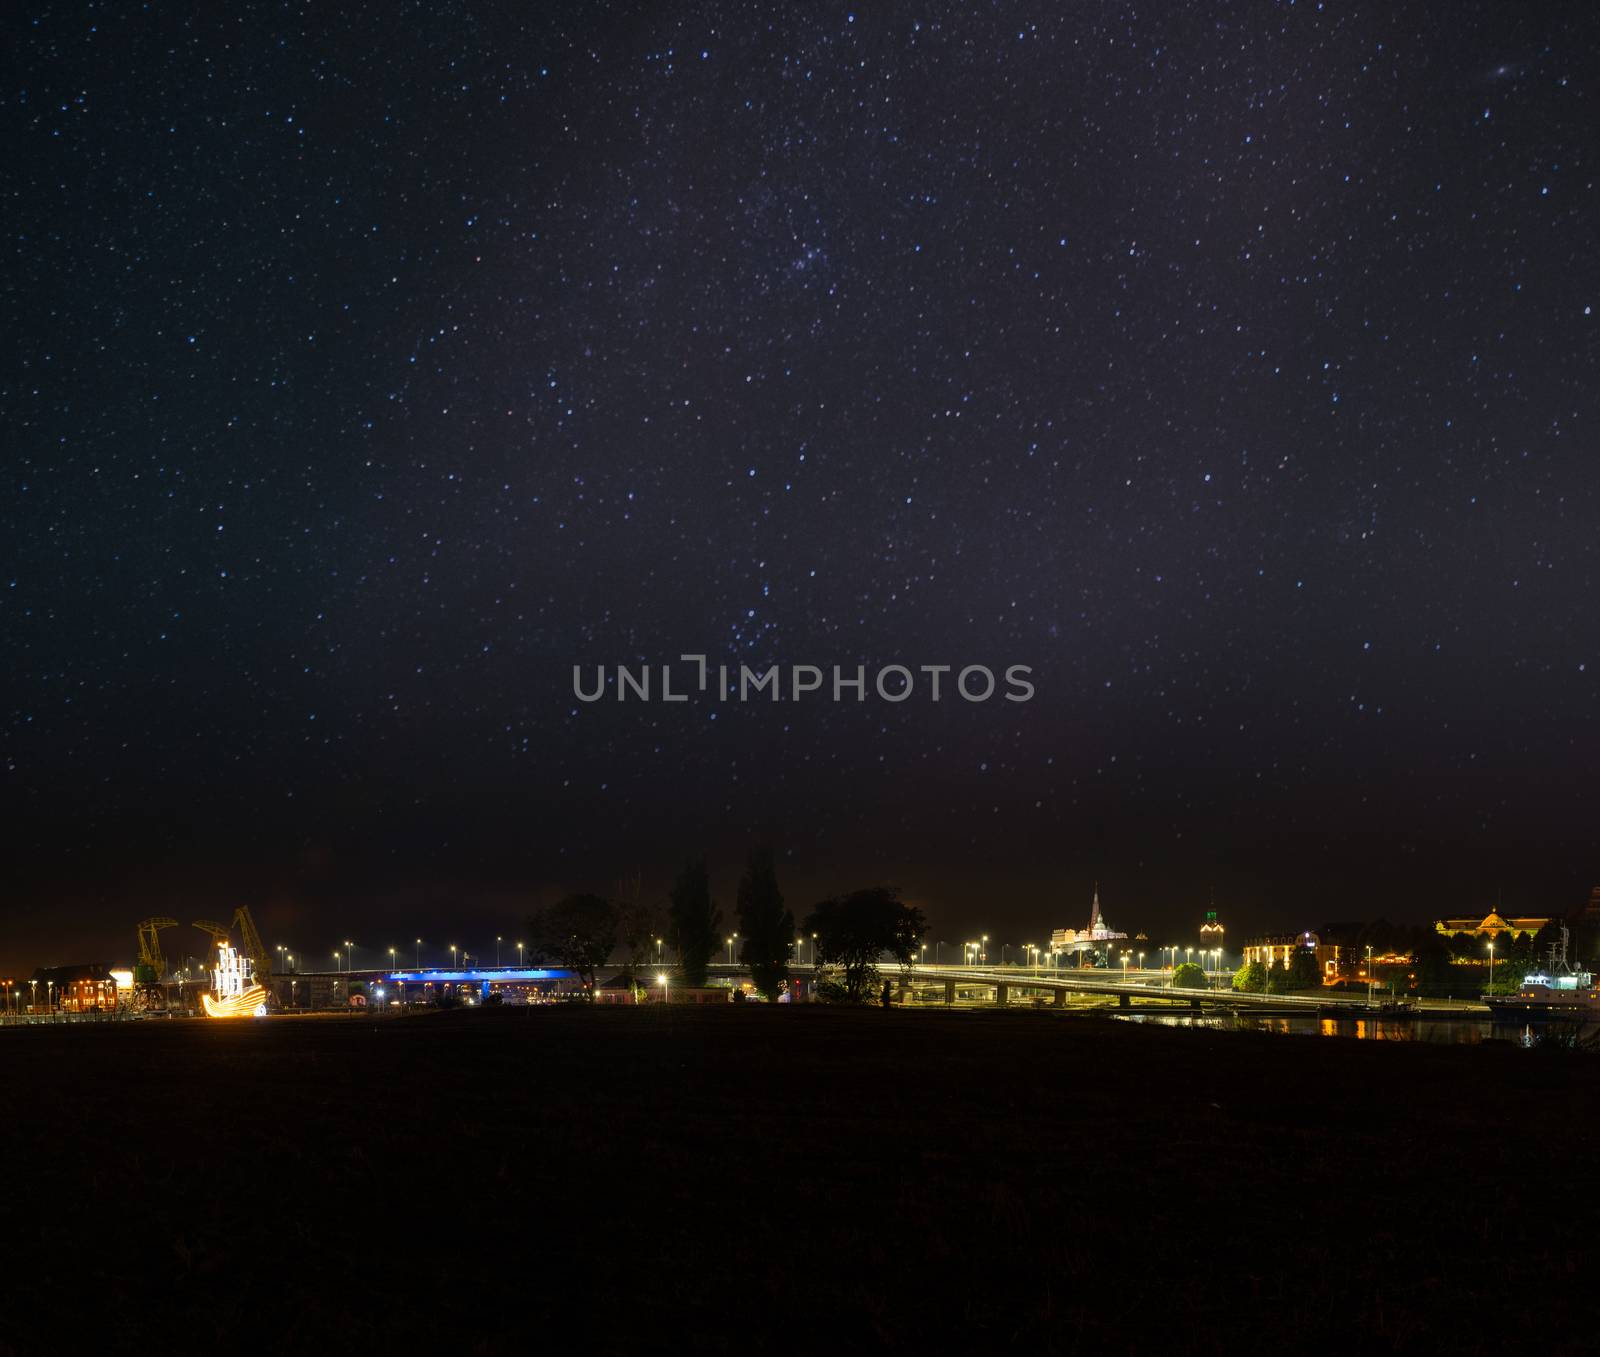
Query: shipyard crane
x=249, y=942
x=152, y=967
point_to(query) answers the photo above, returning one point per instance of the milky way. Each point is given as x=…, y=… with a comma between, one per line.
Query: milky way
x=1231, y=365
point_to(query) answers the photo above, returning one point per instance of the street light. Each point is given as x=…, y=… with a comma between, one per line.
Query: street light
x=453, y=950
x=730, y=949
x=983, y=955
x=663, y=979
x=520, y=947
x=349, y=954
x=338, y=965
x=392, y=962
x=658, y=951
x=1491, y=965
x=497, y=949
x=1124, y=968
x=419, y=954
x=1369, y=975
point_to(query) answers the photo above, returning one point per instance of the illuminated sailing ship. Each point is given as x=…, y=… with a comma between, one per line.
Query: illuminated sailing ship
x=234, y=993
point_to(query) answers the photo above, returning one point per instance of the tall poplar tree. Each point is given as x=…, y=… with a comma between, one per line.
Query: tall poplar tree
x=766, y=927
x=695, y=922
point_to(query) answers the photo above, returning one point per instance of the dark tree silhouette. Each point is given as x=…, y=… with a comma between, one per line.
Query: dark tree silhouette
x=765, y=925
x=1303, y=970
x=696, y=922
x=577, y=932
x=853, y=931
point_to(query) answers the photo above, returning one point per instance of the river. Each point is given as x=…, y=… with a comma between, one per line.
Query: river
x=1440, y=1031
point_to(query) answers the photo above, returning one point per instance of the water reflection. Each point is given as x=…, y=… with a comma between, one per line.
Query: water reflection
x=1441, y=1031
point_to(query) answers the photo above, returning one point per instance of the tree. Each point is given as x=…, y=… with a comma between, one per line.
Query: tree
x=1251, y=979
x=765, y=925
x=696, y=922
x=638, y=927
x=855, y=929
x=1435, y=975
x=1189, y=976
x=577, y=932
x=1278, y=978
x=1303, y=972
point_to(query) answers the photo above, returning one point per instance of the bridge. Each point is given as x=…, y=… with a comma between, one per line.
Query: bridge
x=1152, y=988
x=1059, y=985
x=1005, y=981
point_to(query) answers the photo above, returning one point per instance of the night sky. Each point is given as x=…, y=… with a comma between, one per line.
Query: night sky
x=367, y=367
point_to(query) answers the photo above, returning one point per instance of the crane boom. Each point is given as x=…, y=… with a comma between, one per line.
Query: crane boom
x=150, y=944
x=253, y=947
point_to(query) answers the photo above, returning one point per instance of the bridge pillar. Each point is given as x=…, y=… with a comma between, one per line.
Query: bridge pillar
x=949, y=991
x=1124, y=1001
x=1002, y=995
x=1061, y=998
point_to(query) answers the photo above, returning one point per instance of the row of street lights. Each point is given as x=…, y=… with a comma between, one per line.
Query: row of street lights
x=344, y=958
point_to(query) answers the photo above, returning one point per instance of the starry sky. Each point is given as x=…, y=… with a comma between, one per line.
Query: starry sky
x=367, y=367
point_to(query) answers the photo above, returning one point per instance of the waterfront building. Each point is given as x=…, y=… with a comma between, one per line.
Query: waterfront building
x=1270, y=949
x=1211, y=931
x=88, y=988
x=1492, y=925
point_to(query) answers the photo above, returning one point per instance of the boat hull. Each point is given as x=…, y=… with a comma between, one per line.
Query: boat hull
x=1541, y=1010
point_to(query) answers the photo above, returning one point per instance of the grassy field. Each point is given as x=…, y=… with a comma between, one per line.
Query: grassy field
x=789, y=1178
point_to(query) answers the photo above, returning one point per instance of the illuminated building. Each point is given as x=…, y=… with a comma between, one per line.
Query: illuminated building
x=1492, y=925
x=1274, y=948
x=89, y=988
x=1338, y=953
x=1210, y=931
x=1096, y=934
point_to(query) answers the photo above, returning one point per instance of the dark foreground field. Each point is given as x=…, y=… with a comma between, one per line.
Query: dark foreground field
x=787, y=1179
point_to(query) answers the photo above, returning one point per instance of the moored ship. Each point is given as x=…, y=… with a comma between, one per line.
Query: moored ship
x=1559, y=991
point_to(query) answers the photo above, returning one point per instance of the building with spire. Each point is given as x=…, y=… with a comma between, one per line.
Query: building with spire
x=1098, y=934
